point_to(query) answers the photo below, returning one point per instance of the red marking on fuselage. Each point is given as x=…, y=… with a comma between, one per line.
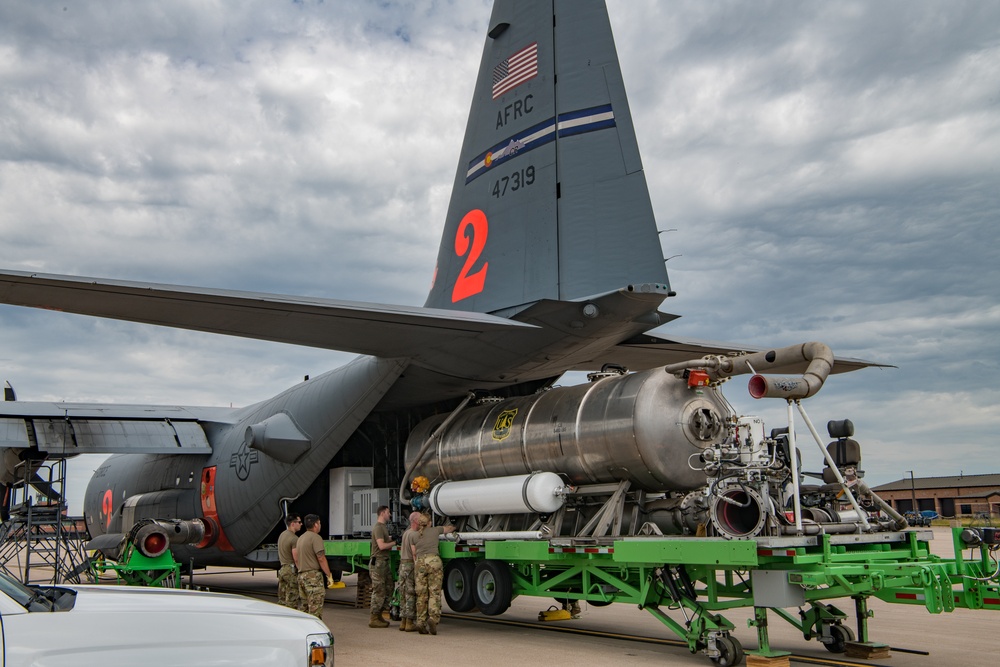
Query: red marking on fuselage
x=211, y=513
x=107, y=507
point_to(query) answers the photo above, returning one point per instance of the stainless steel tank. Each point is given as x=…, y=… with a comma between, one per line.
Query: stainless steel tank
x=641, y=426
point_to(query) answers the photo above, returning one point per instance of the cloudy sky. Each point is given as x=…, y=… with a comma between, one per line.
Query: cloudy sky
x=831, y=171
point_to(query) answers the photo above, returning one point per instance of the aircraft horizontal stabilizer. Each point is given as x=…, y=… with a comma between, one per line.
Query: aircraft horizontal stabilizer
x=69, y=435
x=349, y=326
x=645, y=351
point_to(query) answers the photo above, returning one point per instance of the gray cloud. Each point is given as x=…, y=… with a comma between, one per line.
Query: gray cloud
x=831, y=171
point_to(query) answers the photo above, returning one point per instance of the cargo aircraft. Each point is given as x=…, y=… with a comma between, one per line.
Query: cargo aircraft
x=549, y=262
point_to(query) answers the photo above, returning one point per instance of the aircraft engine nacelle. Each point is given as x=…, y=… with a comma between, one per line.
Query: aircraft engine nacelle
x=154, y=537
x=643, y=427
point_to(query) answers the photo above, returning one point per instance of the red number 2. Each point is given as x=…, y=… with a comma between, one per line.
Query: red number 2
x=467, y=283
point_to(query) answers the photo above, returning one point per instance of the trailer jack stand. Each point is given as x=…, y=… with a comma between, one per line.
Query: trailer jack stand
x=864, y=648
x=764, y=649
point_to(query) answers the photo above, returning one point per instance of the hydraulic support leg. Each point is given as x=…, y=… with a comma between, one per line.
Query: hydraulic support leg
x=764, y=649
x=863, y=614
x=864, y=647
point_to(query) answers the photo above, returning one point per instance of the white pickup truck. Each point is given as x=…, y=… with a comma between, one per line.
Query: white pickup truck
x=109, y=626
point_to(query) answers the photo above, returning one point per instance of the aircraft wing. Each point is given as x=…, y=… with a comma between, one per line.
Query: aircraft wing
x=66, y=429
x=362, y=328
x=646, y=351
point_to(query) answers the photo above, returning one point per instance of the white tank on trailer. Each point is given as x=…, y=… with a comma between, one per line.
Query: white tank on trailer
x=534, y=493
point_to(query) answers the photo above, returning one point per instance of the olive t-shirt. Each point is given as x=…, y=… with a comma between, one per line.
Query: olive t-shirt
x=310, y=544
x=409, y=537
x=427, y=544
x=286, y=542
x=380, y=531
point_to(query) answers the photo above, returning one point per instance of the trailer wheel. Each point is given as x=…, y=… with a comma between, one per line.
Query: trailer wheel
x=841, y=635
x=731, y=652
x=458, y=585
x=492, y=588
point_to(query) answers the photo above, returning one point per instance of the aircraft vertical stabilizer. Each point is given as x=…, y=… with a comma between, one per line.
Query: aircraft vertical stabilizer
x=550, y=200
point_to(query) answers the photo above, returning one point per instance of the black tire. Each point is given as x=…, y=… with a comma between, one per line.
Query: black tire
x=841, y=635
x=492, y=587
x=458, y=585
x=731, y=650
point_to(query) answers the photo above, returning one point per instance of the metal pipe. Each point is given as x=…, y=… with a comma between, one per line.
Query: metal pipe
x=833, y=466
x=794, y=456
x=913, y=493
x=818, y=356
x=820, y=528
x=403, y=498
x=502, y=535
x=900, y=521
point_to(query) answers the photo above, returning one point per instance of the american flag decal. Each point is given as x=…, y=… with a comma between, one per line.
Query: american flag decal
x=515, y=70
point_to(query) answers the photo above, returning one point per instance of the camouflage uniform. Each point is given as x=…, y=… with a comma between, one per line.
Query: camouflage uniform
x=312, y=590
x=407, y=590
x=288, y=587
x=381, y=575
x=430, y=572
x=288, y=583
x=380, y=571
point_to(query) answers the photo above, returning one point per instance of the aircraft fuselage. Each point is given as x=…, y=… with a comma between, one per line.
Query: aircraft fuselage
x=238, y=488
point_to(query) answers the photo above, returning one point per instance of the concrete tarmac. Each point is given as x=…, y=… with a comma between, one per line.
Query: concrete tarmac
x=963, y=637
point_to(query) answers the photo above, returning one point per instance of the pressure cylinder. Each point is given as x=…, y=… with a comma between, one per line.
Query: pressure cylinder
x=642, y=427
x=535, y=493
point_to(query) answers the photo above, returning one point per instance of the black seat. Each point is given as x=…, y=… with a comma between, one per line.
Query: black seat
x=845, y=452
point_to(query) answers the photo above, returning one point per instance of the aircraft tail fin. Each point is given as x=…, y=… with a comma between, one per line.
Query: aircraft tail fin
x=550, y=200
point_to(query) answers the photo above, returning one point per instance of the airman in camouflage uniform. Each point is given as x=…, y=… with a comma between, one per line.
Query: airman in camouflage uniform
x=430, y=572
x=311, y=556
x=288, y=582
x=407, y=577
x=379, y=567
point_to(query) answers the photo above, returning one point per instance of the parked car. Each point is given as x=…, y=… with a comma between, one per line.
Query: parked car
x=111, y=626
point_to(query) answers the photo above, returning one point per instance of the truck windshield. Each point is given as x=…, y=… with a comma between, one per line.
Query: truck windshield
x=15, y=589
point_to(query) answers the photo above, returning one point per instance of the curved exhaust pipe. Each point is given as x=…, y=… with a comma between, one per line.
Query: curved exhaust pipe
x=818, y=356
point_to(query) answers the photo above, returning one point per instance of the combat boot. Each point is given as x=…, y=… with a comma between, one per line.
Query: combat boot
x=404, y=624
x=411, y=625
x=433, y=627
x=377, y=621
x=422, y=629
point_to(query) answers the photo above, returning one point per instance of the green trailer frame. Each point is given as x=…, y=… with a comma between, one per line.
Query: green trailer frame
x=134, y=568
x=704, y=577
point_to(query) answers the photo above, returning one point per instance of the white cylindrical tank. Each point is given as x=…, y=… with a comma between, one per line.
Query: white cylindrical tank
x=534, y=493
